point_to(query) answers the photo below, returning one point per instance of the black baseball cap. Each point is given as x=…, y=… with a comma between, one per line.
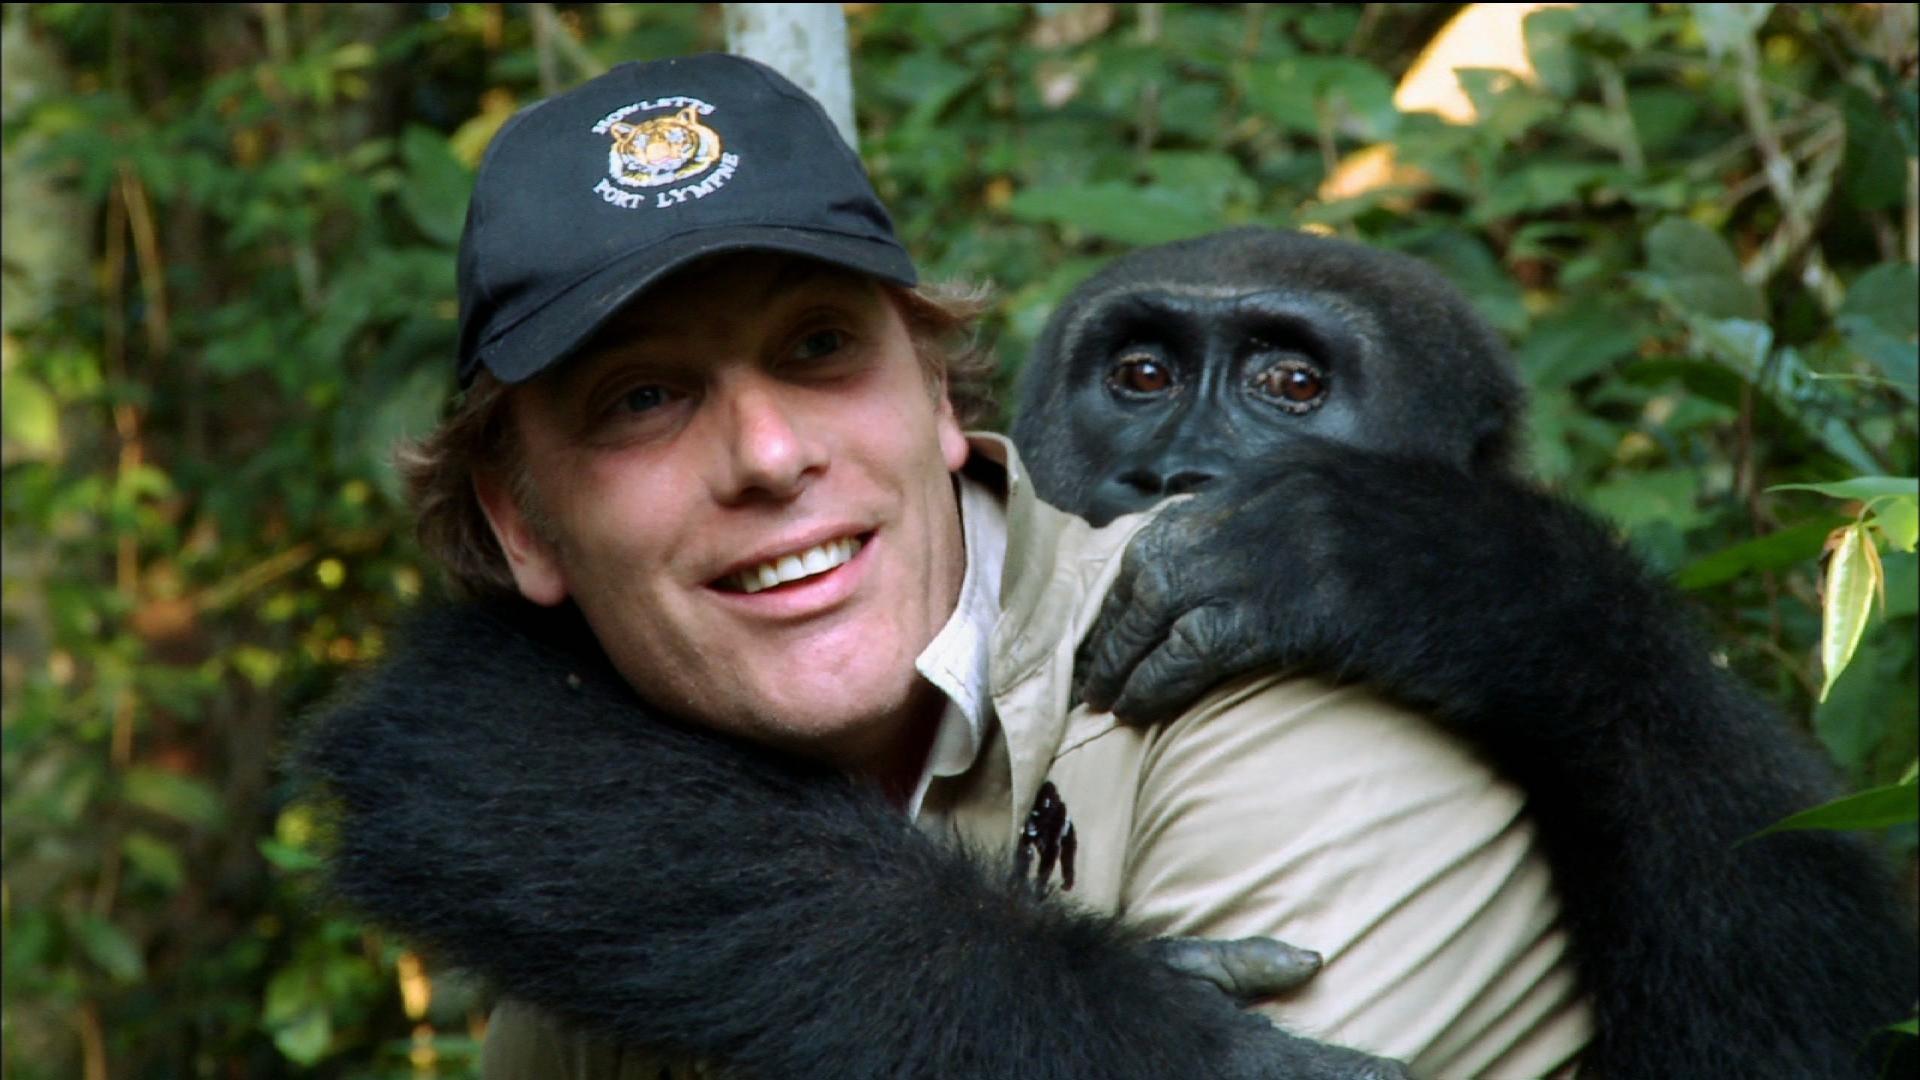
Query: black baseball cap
x=586, y=199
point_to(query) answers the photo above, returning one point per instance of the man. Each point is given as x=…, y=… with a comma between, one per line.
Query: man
x=709, y=412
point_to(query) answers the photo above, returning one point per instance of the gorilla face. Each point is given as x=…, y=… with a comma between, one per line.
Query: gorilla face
x=1176, y=363
x=1169, y=388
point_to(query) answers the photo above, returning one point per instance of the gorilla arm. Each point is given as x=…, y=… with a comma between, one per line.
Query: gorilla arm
x=1516, y=621
x=505, y=802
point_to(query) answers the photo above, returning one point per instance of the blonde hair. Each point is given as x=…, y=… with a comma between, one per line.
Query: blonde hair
x=477, y=435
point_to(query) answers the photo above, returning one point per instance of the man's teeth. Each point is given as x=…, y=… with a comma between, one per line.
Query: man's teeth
x=814, y=560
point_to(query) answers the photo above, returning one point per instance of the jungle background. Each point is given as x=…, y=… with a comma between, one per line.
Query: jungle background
x=229, y=236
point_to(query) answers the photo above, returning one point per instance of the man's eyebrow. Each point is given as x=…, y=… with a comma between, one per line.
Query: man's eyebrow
x=629, y=327
x=799, y=272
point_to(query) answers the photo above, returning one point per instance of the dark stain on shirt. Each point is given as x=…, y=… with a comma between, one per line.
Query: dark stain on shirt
x=1048, y=834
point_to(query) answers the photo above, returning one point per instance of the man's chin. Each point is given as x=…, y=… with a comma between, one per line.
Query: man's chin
x=843, y=729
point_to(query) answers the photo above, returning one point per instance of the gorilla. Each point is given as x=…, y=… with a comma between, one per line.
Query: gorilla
x=1351, y=423
x=535, y=821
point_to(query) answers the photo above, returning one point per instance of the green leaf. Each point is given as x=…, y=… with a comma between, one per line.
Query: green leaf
x=1898, y=361
x=155, y=858
x=1874, y=173
x=1775, y=551
x=29, y=416
x=1508, y=108
x=305, y=1037
x=290, y=858
x=1725, y=26
x=1633, y=24
x=1544, y=186
x=1899, y=521
x=1875, y=808
x=1901, y=593
x=1576, y=342
x=1906, y=1027
x=109, y=946
x=1663, y=115
x=1550, y=34
x=1328, y=26
x=243, y=349
x=1657, y=496
x=1117, y=211
x=1743, y=344
x=296, y=1009
x=1783, y=377
x=1872, y=701
x=1852, y=576
x=1880, y=321
x=437, y=185
x=1861, y=488
x=1885, y=294
x=1213, y=179
x=1694, y=270
x=1463, y=258
x=181, y=797
x=1296, y=91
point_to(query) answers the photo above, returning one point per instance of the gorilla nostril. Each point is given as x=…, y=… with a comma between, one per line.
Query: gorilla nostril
x=1184, y=482
x=1144, y=481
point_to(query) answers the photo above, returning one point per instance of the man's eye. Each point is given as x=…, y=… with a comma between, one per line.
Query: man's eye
x=818, y=344
x=642, y=399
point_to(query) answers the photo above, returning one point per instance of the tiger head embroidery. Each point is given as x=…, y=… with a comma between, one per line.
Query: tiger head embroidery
x=661, y=150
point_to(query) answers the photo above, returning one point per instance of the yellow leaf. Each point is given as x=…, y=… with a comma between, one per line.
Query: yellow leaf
x=1853, y=576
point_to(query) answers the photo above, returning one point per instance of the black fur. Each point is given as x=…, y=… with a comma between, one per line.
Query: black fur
x=1385, y=538
x=504, y=799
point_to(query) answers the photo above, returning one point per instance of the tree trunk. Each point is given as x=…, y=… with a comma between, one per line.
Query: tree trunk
x=805, y=42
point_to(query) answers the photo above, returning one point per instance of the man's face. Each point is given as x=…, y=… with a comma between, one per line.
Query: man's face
x=748, y=421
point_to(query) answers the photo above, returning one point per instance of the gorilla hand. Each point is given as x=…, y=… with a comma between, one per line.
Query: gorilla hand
x=1246, y=969
x=1312, y=562
x=1240, y=577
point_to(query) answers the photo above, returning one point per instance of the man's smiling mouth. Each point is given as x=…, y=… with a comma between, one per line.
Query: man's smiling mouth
x=797, y=566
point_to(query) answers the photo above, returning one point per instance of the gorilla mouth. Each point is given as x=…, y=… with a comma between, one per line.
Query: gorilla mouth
x=795, y=567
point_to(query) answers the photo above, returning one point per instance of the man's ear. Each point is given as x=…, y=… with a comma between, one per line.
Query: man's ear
x=535, y=565
x=953, y=441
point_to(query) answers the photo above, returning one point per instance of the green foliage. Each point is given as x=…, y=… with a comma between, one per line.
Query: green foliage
x=1875, y=808
x=230, y=290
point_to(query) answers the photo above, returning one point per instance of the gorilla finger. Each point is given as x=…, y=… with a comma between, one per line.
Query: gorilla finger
x=1190, y=661
x=1246, y=968
x=1128, y=629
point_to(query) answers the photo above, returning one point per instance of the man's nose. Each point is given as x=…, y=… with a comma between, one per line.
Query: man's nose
x=771, y=450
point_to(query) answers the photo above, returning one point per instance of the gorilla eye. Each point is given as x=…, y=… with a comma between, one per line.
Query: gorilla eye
x=1294, y=385
x=1139, y=373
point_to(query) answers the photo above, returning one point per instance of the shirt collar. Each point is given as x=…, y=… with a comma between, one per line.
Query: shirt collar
x=956, y=660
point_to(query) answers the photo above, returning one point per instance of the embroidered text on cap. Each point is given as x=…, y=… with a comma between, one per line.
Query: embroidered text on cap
x=662, y=149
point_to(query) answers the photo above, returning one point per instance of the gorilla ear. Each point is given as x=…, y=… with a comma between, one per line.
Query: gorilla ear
x=530, y=556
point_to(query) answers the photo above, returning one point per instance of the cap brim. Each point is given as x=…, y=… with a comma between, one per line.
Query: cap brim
x=552, y=333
